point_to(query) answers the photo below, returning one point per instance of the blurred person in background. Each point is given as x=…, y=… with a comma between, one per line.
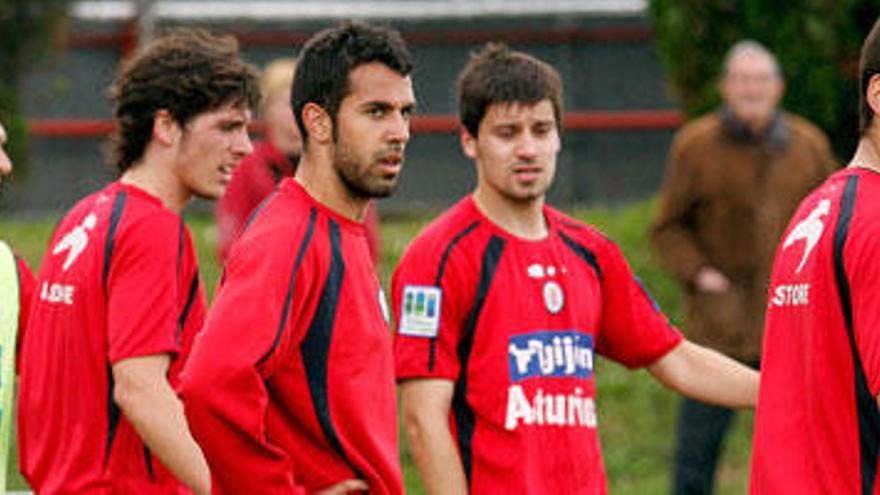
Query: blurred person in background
x=733, y=180
x=276, y=157
x=120, y=298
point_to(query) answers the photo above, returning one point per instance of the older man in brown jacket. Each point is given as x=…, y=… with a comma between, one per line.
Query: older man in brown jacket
x=733, y=180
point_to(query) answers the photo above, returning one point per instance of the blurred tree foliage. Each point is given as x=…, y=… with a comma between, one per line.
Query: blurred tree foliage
x=817, y=43
x=29, y=30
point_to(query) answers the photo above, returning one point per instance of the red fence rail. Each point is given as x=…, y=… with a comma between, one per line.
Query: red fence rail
x=627, y=120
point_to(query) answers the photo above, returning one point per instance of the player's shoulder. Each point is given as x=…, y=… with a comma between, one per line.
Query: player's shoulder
x=579, y=231
x=451, y=228
x=284, y=220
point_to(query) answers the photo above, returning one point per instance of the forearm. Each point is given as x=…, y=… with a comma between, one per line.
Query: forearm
x=156, y=414
x=707, y=376
x=436, y=456
x=425, y=404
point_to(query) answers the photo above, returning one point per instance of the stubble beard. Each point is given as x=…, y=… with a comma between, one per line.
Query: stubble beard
x=356, y=176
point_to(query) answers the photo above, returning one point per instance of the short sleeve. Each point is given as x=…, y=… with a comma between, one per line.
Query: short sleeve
x=863, y=273
x=142, y=288
x=428, y=301
x=633, y=331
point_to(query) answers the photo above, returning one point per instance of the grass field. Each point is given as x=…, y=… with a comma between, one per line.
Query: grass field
x=636, y=415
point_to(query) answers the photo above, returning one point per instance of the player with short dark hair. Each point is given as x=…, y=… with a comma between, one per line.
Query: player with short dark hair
x=817, y=428
x=503, y=302
x=120, y=299
x=290, y=388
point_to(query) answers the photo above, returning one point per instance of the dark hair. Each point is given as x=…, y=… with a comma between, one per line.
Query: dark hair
x=869, y=65
x=328, y=58
x=186, y=72
x=497, y=74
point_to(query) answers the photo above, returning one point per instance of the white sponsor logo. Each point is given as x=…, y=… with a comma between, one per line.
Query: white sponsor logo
x=791, y=295
x=75, y=241
x=550, y=354
x=810, y=230
x=57, y=293
x=420, y=311
x=573, y=409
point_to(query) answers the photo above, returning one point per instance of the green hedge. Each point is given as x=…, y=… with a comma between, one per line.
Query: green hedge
x=817, y=43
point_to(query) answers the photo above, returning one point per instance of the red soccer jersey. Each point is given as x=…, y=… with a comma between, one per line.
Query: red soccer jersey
x=817, y=428
x=515, y=324
x=119, y=280
x=291, y=385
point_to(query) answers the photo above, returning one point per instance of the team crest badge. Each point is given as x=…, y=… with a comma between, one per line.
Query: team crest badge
x=420, y=311
x=554, y=298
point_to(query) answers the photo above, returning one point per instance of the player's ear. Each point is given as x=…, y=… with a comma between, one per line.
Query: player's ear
x=318, y=123
x=468, y=143
x=166, y=129
x=873, y=94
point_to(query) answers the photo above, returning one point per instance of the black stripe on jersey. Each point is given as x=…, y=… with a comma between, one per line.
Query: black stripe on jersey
x=112, y=409
x=115, y=216
x=464, y=415
x=289, y=298
x=866, y=405
x=113, y=413
x=148, y=460
x=583, y=252
x=315, y=347
x=190, y=299
x=432, y=346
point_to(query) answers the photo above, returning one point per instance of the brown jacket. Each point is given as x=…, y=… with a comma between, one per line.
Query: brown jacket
x=725, y=202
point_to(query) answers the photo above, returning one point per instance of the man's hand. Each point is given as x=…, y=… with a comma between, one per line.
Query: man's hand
x=347, y=486
x=711, y=281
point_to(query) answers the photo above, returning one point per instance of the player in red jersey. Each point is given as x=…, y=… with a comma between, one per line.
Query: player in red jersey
x=503, y=302
x=290, y=388
x=817, y=427
x=26, y=281
x=120, y=298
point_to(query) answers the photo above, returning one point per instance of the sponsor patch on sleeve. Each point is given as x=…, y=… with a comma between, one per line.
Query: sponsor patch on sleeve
x=420, y=311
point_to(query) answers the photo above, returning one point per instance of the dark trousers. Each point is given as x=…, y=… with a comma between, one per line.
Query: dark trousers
x=701, y=432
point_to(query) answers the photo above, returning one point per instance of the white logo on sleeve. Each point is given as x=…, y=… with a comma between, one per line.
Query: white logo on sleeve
x=383, y=306
x=75, y=241
x=810, y=230
x=420, y=311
